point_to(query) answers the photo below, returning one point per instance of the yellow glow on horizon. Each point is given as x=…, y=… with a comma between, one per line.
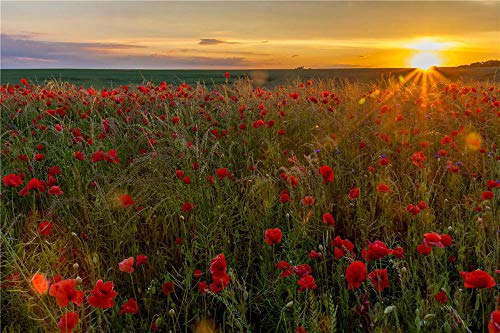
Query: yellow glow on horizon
x=430, y=44
x=425, y=60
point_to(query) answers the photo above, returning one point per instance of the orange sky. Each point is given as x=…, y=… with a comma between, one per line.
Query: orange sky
x=246, y=34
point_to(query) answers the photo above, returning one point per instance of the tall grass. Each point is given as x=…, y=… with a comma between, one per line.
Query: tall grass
x=348, y=129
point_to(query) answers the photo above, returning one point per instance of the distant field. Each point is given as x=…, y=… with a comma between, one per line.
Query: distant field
x=110, y=77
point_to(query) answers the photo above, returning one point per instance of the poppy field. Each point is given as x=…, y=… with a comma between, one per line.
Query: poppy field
x=314, y=206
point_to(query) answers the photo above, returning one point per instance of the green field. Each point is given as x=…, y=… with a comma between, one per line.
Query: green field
x=317, y=207
x=100, y=78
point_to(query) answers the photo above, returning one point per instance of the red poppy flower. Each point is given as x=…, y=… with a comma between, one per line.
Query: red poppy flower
x=308, y=200
x=45, y=228
x=39, y=157
x=418, y=158
x=355, y=274
x=140, y=259
x=302, y=269
x=40, y=283
x=259, y=123
x=126, y=201
x=64, y=292
x=68, y=322
x=306, y=281
x=327, y=173
x=127, y=265
x=380, y=279
x=487, y=195
x=383, y=188
x=227, y=75
x=478, y=279
x=285, y=197
x=328, y=219
x=55, y=190
x=187, y=207
x=197, y=274
x=35, y=184
x=222, y=173
x=219, y=282
x=313, y=255
x=446, y=140
x=112, y=157
x=424, y=249
x=168, y=288
x=494, y=324
x=398, y=252
x=340, y=246
x=384, y=161
x=421, y=205
x=441, y=297
x=202, y=287
x=102, y=295
x=492, y=183
x=376, y=250
x=300, y=329
x=414, y=210
x=218, y=265
x=353, y=193
x=439, y=241
x=446, y=240
x=186, y=180
x=12, y=180
x=54, y=171
x=130, y=307
x=292, y=180
x=286, y=268
x=273, y=236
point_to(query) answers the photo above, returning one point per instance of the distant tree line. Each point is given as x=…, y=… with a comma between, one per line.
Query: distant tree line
x=489, y=63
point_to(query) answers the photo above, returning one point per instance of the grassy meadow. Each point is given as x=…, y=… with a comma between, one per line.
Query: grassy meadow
x=319, y=205
x=113, y=78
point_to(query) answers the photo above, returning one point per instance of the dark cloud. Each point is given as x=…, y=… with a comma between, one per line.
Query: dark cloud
x=295, y=55
x=12, y=45
x=213, y=41
x=27, y=53
x=217, y=52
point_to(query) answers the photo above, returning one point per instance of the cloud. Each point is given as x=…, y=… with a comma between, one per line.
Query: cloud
x=295, y=55
x=28, y=53
x=217, y=52
x=213, y=41
x=24, y=46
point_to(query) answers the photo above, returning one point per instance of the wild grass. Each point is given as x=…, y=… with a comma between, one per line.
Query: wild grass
x=230, y=215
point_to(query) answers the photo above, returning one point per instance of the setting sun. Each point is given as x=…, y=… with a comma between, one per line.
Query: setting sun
x=425, y=60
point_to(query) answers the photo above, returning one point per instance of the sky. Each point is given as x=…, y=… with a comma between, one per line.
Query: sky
x=246, y=34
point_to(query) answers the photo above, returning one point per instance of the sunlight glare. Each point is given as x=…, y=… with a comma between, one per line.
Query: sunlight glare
x=425, y=61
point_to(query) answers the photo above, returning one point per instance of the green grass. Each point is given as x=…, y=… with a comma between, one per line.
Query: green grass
x=231, y=215
x=104, y=78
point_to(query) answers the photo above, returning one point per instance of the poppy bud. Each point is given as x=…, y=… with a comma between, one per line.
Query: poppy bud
x=76, y=266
